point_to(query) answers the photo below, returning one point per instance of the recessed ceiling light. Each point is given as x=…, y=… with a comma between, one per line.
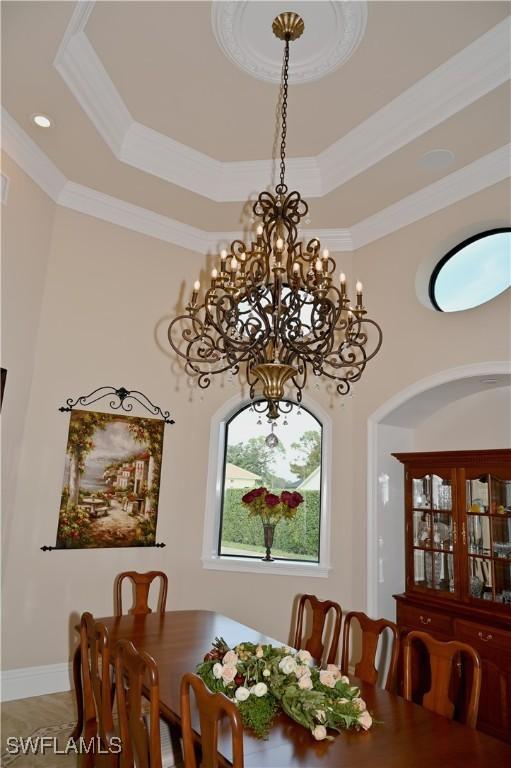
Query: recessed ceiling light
x=436, y=159
x=43, y=121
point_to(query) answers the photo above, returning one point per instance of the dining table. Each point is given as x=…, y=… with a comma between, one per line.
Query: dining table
x=403, y=735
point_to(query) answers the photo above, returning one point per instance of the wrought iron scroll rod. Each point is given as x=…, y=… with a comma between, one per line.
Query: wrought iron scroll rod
x=123, y=397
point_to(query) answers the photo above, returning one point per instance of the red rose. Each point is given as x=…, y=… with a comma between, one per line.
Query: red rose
x=248, y=498
x=286, y=497
x=295, y=500
x=271, y=500
x=239, y=680
x=259, y=492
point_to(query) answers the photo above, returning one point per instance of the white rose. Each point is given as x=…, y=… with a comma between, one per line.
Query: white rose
x=242, y=693
x=305, y=683
x=336, y=672
x=319, y=732
x=305, y=657
x=302, y=670
x=327, y=678
x=365, y=720
x=266, y=673
x=360, y=703
x=287, y=665
x=228, y=674
x=344, y=679
x=217, y=671
x=230, y=659
x=261, y=689
x=259, y=652
x=321, y=715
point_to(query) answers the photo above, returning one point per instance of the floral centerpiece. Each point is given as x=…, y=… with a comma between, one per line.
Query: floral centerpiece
x=264, y=679
x=271, y=509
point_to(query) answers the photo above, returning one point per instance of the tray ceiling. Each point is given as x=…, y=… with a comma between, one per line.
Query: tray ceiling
x=149, y=110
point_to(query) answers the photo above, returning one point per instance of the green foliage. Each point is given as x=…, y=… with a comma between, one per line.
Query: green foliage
x=259, y=714
x=299, y=535
x=309, y=454
x=255, y=456
x=82, y=426
x=262, y=680
x=146, y=531
x=74, y=529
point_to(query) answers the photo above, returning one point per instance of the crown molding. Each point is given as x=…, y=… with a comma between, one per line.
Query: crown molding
x=87, y=79
x=463, y=79
x=467, y=76
x=482, y=173
x=30, y=157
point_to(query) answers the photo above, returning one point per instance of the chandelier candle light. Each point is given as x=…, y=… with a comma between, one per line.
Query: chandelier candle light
x=275, y=309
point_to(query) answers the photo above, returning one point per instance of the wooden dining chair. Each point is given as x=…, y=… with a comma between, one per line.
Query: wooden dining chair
x=441, y=658
x=211, y=706
x=97, y=691
x=314, y=643
x=372, y=630
x=141, y=583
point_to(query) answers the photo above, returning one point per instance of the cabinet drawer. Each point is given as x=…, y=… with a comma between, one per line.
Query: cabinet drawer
x=483, y=637
x=423, y=619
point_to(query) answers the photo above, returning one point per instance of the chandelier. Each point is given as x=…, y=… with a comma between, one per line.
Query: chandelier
x=274, y=310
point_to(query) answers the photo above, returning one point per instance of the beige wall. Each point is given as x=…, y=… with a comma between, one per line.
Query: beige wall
x=108, y=299
x=482, y=420
x=27, y=222
x=109, y=295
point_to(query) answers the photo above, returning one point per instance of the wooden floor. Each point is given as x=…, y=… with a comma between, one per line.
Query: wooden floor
x=52, y=715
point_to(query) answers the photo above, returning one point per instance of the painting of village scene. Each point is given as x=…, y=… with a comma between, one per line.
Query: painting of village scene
x=111, y=481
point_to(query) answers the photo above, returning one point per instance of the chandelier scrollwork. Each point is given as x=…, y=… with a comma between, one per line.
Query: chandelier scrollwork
x=273, y=308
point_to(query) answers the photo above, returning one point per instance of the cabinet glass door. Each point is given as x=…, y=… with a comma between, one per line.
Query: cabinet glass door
x=488, y=501
x=433, y=532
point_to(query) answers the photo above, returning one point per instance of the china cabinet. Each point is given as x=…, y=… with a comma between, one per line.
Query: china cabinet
x=458, y=563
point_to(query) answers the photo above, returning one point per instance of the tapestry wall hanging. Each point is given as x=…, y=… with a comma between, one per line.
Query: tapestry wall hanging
x=112, y=472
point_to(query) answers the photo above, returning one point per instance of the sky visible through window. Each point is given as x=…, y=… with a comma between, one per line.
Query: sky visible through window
x=476, y=274
x=245, y=426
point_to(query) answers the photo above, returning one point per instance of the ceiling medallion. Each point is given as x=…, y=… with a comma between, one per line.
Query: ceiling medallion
x=274, y=310
x=335, y=30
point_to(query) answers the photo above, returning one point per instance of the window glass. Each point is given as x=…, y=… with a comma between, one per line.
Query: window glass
x=473, y=273
x=282, y=457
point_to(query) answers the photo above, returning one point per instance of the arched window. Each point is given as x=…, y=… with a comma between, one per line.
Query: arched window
x=287, y=455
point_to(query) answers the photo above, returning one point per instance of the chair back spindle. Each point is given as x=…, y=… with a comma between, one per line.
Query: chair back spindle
x=142, y=584
x=141, y=744
x=442, y=656
x=212, y=707
x=371, y=630
x=97, y=692
x=314, y=643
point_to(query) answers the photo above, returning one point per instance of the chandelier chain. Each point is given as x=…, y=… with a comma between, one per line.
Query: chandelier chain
x=285, y=79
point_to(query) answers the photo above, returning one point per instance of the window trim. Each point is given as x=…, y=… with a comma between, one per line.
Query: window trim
x=449, y=255
x=211, y=560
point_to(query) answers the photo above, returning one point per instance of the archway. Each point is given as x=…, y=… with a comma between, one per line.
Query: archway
x=390, y=429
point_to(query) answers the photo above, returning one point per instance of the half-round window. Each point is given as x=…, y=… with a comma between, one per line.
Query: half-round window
x=283, y=456
x=474, y=272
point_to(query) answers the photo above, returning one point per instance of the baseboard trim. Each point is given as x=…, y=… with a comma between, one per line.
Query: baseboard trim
x=35, y=681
